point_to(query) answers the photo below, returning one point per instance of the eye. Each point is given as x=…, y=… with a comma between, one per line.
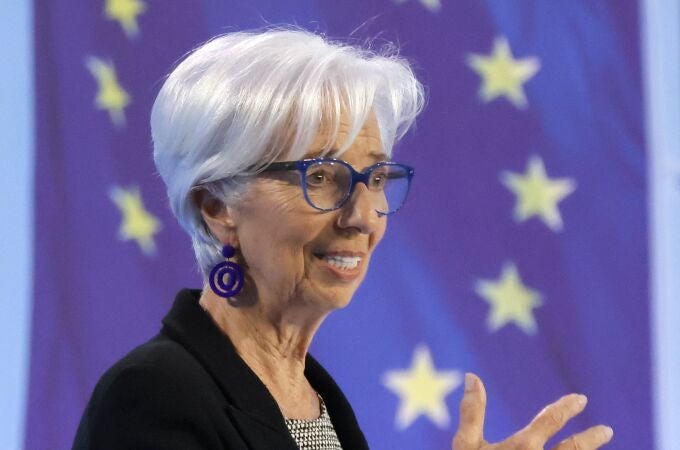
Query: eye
x=378, y=178
x=319, y=176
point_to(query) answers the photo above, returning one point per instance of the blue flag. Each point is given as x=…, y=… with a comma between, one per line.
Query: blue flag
x=521, y=254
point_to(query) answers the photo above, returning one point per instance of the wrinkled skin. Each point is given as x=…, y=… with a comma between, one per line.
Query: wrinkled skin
x=470, y=434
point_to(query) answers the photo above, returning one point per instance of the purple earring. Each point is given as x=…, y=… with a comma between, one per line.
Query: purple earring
x=232, y=271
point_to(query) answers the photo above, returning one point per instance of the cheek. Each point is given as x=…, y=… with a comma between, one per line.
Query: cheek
x=275, y=232
x=275, y=256
x=379, y=233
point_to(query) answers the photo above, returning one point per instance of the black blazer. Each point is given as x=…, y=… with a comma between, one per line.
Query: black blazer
x=187, y=388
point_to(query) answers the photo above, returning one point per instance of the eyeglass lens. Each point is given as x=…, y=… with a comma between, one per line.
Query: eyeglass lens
x=328, y=186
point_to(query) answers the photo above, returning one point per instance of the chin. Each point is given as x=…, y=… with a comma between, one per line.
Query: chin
x=341, y=303
x=335, y=300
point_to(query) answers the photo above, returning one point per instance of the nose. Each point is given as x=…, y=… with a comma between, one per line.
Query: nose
x=359, y=212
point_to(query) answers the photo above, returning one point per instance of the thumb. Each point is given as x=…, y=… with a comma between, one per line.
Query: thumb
x=470, y=434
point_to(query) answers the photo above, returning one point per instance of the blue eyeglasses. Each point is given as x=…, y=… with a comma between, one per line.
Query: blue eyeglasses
x=327, y=183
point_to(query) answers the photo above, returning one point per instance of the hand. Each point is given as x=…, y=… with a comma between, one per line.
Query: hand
x=470, y=434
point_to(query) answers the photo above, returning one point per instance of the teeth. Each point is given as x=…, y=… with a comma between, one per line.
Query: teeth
x=343, y=262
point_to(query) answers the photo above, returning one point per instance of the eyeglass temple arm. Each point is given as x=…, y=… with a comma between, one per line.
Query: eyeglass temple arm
x=280, y=166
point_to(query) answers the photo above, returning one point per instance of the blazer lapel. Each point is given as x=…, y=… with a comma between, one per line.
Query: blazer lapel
x=250, y=405
x=343, y=418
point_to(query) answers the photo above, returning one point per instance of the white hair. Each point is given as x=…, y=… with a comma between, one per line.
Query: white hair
x=244, y=99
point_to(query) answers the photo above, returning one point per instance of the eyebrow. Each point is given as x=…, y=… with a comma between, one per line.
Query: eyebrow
x=378, y=156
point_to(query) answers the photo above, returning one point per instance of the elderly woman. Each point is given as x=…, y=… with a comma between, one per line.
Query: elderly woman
x=276, y=149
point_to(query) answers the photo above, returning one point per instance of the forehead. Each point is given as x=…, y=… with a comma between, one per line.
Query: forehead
x=366, y=143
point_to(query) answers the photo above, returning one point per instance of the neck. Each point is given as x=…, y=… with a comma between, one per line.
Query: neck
x=273, y=339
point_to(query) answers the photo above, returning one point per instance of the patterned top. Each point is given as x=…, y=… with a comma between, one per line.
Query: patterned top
x=315, y=434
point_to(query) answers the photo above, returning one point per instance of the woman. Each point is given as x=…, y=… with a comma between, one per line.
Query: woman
x=275, y=147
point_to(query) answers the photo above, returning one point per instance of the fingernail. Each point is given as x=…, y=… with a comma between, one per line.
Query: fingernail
x=608, y=432
x=582, y=400
x=470, y=382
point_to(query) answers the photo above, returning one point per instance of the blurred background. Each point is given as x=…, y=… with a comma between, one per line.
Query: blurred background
x=540, y=246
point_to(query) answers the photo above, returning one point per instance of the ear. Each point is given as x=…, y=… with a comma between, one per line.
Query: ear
x=216, y=216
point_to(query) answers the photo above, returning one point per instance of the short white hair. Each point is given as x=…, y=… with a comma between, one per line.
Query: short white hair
x=245, y=99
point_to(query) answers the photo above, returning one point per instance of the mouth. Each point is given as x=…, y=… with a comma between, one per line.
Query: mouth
x=344, y=265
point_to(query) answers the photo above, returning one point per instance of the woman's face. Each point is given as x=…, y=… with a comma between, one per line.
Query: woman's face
x=292, y=251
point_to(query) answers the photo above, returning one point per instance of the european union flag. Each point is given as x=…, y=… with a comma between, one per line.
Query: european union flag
x=520, y=256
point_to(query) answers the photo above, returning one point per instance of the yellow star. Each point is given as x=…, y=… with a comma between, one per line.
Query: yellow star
x=138, y=224
x=432, y=5
x=502, y=75
x=511, y=301
x=110, y=96
x=422, y=389
x=125, y=12
x=538, y=195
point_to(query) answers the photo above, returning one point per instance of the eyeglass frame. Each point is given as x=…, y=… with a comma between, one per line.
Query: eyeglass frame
x=357, y=177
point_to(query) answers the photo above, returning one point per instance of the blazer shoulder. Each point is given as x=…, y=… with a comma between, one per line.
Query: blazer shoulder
x=161, y=352
x=157, y=386
x=160, y=361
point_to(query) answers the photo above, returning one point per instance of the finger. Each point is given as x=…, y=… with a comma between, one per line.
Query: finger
x=592, y=438
x=470, y=432
x=553, y=417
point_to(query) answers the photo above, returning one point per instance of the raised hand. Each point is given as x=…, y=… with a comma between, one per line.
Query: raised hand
x=470, y=434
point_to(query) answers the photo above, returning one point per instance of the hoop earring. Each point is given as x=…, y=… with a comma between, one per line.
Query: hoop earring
x=231, y=270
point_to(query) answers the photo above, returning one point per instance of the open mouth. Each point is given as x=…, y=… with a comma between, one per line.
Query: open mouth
x=340, y=262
